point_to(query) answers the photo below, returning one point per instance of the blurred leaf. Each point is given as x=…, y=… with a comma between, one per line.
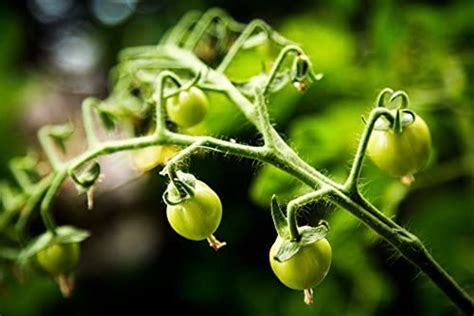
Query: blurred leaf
x=70, y=234
x=330, y=47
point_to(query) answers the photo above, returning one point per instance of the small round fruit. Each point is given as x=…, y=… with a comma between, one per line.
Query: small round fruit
x=197, y=217
x=306, y=269
x=401, y=154
x=59, y=258
x=188, y=108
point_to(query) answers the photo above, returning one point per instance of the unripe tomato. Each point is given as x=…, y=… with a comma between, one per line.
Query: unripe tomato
x=307, y=268
x=197, y=217
x=147, y=158
x=188, y=108
x=401, y=154
x=59, y=258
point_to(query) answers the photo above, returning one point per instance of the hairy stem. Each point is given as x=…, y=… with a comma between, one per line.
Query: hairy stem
x=275, y=151
x=351, y=184
x=406, y=243
x=295, y=204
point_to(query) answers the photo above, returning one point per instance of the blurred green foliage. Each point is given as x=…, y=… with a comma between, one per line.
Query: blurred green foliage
x=423, y=49
x=11, y=82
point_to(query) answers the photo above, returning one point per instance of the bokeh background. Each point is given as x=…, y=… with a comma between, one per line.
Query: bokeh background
x=54, y=53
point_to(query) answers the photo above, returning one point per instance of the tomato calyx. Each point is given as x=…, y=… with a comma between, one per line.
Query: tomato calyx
x=180, y=188
x=401, y=117
x=64, y=235
x=56, y=254
x=85, y=181
x=399, y=120
x=307, y=234
x=299, y=72
x=399, y=140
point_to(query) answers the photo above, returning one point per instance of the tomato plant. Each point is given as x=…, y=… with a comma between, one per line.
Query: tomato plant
x=164, y=84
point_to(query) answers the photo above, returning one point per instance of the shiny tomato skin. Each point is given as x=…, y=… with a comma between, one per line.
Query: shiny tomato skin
x=197, y=217
x=305, y=269
x=401, y=154
x=188, y=108
x=59, y=258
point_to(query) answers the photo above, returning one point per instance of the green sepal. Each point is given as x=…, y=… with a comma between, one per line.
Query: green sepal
x=405, y=118
x=88, y=177
x=107, y=119
x=300, y=68
x=70, y=234
x=397, y=123
x=186, y=183
x=287, y=250
x=60, y=133
x=309, y=235
x=279, y=219
x=64, y=235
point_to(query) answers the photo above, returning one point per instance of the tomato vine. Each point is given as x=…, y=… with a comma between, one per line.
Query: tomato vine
x=168, y=71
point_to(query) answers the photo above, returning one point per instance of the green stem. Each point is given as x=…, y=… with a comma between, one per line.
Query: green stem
x=351, y=184
x=295, y=204
x=49, y=147
x=37, y=192
x=203, y=24
x=56, y=183
x=159, y=100
x=20, y=175
x=179, y=31
x=278, y=63
x=406, y=243
x=249, y=30
x=264, y=119
x=88, y=121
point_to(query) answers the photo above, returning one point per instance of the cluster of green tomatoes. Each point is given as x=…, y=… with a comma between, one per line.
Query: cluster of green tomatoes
x=194, y=210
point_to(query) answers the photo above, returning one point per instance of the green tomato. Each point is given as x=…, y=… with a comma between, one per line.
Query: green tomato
x=197, y=217
x=188, y=108
x=401, y=154
x=307, y=268
x=59, y=258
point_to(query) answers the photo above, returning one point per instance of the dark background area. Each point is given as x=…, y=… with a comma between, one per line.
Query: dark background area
x=55, y=53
